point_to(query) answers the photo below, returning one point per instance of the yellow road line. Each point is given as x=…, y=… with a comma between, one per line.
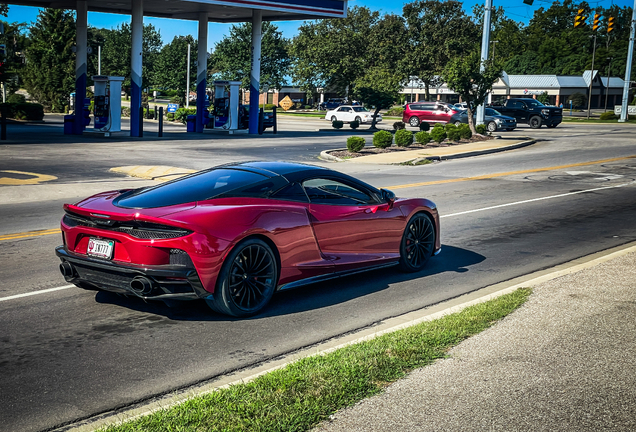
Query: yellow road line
x=509, y=173
x=404, y=186
x=30, y=234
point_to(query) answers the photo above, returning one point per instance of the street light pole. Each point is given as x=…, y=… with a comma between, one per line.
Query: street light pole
x=628, y=67
x=609, y=68
x=589, y=98
x=188, y=79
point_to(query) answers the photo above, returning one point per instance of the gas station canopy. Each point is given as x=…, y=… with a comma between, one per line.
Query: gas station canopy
x=218, y=11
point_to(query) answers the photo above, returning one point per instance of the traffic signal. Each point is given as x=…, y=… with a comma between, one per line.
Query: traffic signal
x=597, y=22
x=610, y=24
x=579, y=20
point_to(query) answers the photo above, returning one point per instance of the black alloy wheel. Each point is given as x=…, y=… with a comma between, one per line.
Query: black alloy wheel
x=418, y=243
x=535, y=122
x=414, y=121
x=247, y=280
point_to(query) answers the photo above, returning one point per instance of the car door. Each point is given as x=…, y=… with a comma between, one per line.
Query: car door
x=352, y=226
x=519, y=111
x=345, y=114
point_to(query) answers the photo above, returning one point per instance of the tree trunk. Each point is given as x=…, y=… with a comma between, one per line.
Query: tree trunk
x=471, y=121
x=427, y=94
x=374, y=121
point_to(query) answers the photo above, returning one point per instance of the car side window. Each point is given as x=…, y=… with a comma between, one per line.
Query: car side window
x=291, y=192
x=327, y=191
x=517, y=104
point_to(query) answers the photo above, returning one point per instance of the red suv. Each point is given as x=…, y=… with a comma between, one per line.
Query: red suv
x=430, y=112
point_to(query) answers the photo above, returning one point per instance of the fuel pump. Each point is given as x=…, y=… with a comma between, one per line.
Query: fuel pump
x=107, y=111
x=226, y=107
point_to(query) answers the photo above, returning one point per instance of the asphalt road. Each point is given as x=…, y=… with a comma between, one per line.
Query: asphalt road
x=70, y=354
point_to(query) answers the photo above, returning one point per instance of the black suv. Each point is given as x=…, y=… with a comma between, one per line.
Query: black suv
x=531, y=112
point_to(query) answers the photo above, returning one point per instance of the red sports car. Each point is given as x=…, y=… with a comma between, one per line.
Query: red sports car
x=235, y=234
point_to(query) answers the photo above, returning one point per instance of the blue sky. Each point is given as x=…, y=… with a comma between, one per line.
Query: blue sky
x=515, y=9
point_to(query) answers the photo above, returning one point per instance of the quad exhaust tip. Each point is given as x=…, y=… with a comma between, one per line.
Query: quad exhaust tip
x=141, y=285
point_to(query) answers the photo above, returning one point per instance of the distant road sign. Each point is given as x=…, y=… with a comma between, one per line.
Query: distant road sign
x=172, y=108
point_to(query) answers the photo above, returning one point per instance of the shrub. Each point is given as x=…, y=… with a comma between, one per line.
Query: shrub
x=395, y=112
x=403, y=138
x=269, y=107
x=337, y=124
x=16, y=98
x=465, y=132
x=438, y=134
x=382, y=139
x=449, y=126
x=481, y=129
x=398, y=125
x=125, y=111
x=578, y=99
x=23, y=111
x=149, y=113
x=609, y=116
x=454, y=134
x=355, y=144
x=173, y=99
x=425, y=126
x=170, y=116
x=354, y=124
x=422, y=137
x=183, y=113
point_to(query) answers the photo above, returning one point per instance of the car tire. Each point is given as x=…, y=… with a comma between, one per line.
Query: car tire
x=239, y=292
x=418, y=243
x=457, y=123
x=414, y=121
x=535, y=122
x=491, y=126
x=358, y=119
x=333, y=119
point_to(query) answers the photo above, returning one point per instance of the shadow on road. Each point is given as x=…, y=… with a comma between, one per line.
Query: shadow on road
x=311, y=297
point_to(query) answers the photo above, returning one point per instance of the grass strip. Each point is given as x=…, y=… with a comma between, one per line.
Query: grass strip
x=302, y=394
x=594, y=120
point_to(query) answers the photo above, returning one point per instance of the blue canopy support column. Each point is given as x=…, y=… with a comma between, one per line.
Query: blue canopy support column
x=136, y=61
x=202, y=69
x=255, y=76
x=81, y=69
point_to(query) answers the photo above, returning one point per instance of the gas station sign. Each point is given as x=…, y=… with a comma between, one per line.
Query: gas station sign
x=172, y=107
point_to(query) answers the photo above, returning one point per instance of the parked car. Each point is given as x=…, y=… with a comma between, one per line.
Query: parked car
x=493, y=120
x=461, y=105
x=430, y=112
x=234, y=234
x=330, y=104
x=531, y=111
x=349, y=113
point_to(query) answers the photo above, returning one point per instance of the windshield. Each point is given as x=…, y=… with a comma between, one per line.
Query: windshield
x=360, y=109
x=491, y=112
x=534, y=103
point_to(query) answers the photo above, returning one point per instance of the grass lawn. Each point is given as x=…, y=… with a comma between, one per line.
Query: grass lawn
x=304, y=393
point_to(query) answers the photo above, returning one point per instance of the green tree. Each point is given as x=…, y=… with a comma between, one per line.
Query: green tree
x=333, y=53
x=116, y=49
x=232, y=56
x=170, y=72
x=438, y=31
x=462, y=75
x=379, y=88
x=49, y=74
x=15, y=42
x=507, y=33
x=4, y=10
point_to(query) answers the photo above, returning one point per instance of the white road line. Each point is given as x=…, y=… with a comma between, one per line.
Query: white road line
x=17, y=296
x=535, y=199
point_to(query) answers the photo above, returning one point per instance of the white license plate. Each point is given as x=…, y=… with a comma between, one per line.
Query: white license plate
x=100, y=248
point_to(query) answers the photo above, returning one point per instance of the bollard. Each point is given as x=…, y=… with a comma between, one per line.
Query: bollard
x=261, y=122
x=275, y=129
x=160, y=122
x=154, y=116
x=141, y=122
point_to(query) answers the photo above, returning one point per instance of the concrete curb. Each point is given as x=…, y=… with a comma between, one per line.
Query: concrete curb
x=387, y=326
x=325, y=155
x=152, y=172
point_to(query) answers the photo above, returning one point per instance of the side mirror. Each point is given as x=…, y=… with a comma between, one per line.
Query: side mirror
x=388, y=197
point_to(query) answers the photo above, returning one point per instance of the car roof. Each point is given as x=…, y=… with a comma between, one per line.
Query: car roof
x=274, y=168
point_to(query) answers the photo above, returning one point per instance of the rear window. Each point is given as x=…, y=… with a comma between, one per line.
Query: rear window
x=196, y=187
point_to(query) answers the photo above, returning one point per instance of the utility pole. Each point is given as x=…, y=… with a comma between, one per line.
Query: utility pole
x=589, y=97
x=485, y=44
x=628, y=67
x=188, y=79
x=609, y=68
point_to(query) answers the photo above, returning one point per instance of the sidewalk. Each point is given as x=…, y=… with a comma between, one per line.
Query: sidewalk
x=564, y=361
